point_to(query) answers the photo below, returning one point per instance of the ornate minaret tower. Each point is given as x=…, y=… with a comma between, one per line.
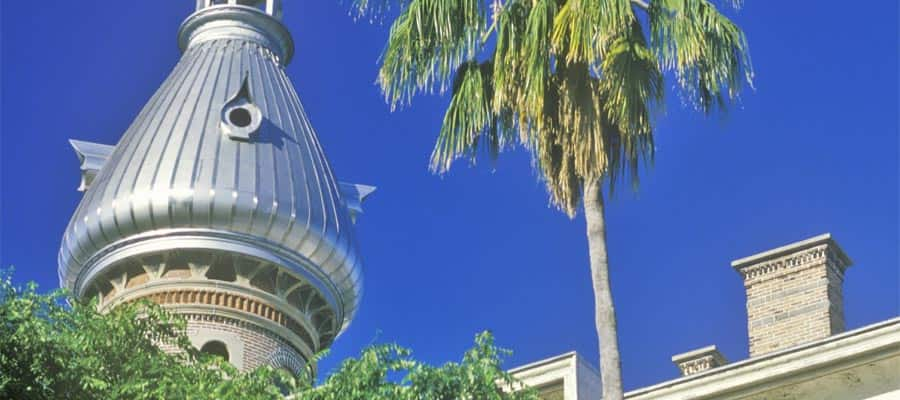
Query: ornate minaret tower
x=218, y=201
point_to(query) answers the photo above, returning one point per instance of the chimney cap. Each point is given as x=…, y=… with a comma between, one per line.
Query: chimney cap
x=825, y=238
x=696, y=361
x=703, y=351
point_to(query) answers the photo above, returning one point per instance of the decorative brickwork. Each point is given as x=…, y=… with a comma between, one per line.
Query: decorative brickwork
x=177, y=275
x=794, y=294
x=287, y=359
x=261, y=313
x=232, y=301
x=260, y=347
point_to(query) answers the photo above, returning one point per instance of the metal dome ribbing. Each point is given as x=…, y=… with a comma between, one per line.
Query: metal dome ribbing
x=222, y=158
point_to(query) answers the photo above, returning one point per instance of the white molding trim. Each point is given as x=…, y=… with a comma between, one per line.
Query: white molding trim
x=796, y=364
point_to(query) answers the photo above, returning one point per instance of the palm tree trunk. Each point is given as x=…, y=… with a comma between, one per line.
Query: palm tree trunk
x=604, y=311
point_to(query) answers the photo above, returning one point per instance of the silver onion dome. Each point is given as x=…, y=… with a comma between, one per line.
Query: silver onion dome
x=221, y=183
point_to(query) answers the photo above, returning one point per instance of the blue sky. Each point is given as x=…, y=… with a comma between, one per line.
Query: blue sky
x=813, y=149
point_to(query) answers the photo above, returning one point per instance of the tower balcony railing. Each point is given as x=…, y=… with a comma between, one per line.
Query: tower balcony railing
x=270, y=7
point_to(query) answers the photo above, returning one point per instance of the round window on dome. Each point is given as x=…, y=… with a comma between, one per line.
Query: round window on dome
x=240, y=117
x=241, y=121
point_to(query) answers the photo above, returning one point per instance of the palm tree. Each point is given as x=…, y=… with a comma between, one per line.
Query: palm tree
x=575, y=82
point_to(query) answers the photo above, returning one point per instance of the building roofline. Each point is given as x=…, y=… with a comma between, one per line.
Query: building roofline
x=543, y=362
x=579, y=359
x=694, y=353
x=878, y=340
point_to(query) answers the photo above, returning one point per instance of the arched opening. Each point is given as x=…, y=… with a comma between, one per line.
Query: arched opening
x=265, y=280
x=222, y=270
x=215, y=348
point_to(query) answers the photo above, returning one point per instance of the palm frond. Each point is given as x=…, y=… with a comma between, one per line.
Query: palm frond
x=613, y=18
x=551, y=156
x=632, y=87
x=575, y=31
x=375, y=9
x=429, y=39
x=470, y=119
x=508, y=66
x=578, y=80
x=535, y=57
x=576, y=142
x=708, y=53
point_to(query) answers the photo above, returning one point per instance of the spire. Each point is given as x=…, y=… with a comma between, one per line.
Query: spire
x=256, y=21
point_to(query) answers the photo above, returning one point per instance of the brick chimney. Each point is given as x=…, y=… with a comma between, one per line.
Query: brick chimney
x=794, y=293
x=699, y=360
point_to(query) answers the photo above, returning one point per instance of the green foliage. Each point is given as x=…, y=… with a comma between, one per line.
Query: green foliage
x=579, y=80
x=428, y=41
x=478, y=376
x=54, y=347
x=469, y=118
x=50, y=350
x=707, y=51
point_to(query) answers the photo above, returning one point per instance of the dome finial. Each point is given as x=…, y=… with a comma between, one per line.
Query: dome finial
x=257, y=21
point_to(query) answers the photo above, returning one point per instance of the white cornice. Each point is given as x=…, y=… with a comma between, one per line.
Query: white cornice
x=755, y=375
